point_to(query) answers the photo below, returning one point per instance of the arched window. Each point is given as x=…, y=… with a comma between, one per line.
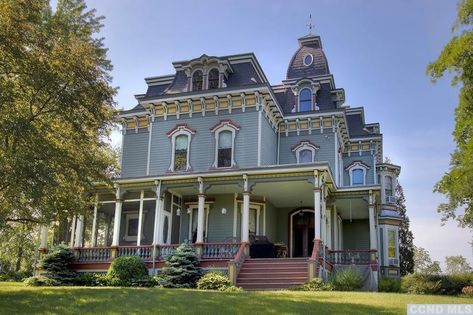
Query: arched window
x=180, y=153
x=225, y=132
x=225, y=147
x=305, y=156
x=358, y=176
x=197, y=80
x=305, y=100
x=213, y=79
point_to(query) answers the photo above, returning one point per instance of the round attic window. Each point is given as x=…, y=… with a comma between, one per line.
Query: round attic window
x=308, y=59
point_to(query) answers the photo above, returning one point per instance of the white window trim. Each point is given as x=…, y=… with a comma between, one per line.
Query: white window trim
x=305, y=145
x=257, y=209
x=129, y=216
x=357, y=166
x=180, y=130
x=226, y=125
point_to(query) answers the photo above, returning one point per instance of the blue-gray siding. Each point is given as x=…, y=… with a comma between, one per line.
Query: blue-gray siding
x=366, y=158
x=202, y=152
x=326, y=142
x=269, y=143
x=134, y=153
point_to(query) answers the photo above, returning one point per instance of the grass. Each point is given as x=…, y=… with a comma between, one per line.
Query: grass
x=17, y=298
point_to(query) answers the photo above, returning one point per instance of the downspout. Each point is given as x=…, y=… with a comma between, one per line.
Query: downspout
x=279, y=140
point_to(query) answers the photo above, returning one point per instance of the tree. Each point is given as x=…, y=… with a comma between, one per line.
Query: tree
x=56, y=110
x=457, y=264
x=423, y=263
x=457, y=58
x=406, y=239
x=18, y=245
x=182, y=268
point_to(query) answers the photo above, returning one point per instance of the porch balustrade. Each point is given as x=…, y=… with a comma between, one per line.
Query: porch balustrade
x=94, y=254
x=350, y=257
x=220, y=250
x=166, y=250
x=144, y=252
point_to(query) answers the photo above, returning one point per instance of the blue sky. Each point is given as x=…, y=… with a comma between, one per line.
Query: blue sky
x=377, y=51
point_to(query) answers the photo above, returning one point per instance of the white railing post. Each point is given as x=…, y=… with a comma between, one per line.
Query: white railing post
x=94, y=222
x=140, y=219
x=118, y=218
x=200, y=212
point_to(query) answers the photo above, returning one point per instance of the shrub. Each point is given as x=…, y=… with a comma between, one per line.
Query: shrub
x=389, y=284
x=346, y=280
x=420, y=284
x=57, y=264
x=91, y=279
x=468, y=291
x=316, y=284
x=14, y=275
x=126, y=271
x=213, y=281
x=182, y=268
x=231, y=288
x=41, y=281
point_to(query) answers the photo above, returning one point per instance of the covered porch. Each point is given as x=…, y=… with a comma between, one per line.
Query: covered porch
x=271, y=216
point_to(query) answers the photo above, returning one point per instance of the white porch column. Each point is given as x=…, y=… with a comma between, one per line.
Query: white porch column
x=94, y=222
x=245, y=222
x=200, y=212
x=329, y=229
x=317, y=232
x=44, y=237
x=157, y=213
x=335, y=228
x=79, y=231
x=140, y=219
x=324, y=218
x=117, y=219
x=372, y=221
x=73, y=231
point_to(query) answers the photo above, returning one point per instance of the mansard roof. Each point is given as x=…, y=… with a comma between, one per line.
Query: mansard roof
x=309, y=45
x=357, y=126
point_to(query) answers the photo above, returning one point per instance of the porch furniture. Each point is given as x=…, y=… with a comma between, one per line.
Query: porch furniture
x=280, y=250
x=261, y=247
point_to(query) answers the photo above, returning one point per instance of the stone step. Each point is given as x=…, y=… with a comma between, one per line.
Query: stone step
x=266, y=280
x=281, y=275
x=266, y=286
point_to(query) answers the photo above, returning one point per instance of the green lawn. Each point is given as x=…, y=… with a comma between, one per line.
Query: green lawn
x=18, y=298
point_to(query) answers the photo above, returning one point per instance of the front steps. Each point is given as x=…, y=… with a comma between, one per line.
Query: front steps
x=272, y=274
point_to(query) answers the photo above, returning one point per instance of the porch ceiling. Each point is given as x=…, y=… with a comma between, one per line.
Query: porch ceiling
x=286, y=194
x=352, y=208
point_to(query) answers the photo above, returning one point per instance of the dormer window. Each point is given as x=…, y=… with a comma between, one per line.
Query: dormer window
x=197, y=80
x=305, y=152
x=225, y=133
x=181, y=136
x=305, y=100
x=213, y=78
x=357, y=171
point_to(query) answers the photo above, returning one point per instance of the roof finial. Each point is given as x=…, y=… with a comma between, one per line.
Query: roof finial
x=309, y=23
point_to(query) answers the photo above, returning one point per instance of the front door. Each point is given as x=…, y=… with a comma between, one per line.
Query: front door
x=302, y=233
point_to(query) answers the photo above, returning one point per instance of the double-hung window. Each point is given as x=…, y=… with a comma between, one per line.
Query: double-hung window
x=181, y=136
x=225, y=148
x=180, y=153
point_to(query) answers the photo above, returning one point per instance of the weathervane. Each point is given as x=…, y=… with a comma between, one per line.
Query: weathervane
x=309, y=24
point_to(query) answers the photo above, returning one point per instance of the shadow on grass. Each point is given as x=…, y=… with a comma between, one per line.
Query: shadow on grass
x=68, y=300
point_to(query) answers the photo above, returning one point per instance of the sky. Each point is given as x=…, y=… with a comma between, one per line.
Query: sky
x=377, y=51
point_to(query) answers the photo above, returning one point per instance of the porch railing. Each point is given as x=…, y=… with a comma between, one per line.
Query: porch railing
x=94, y=254
x=220, y=250
x=163, y=251
x=351, y=257
x=144, y=252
